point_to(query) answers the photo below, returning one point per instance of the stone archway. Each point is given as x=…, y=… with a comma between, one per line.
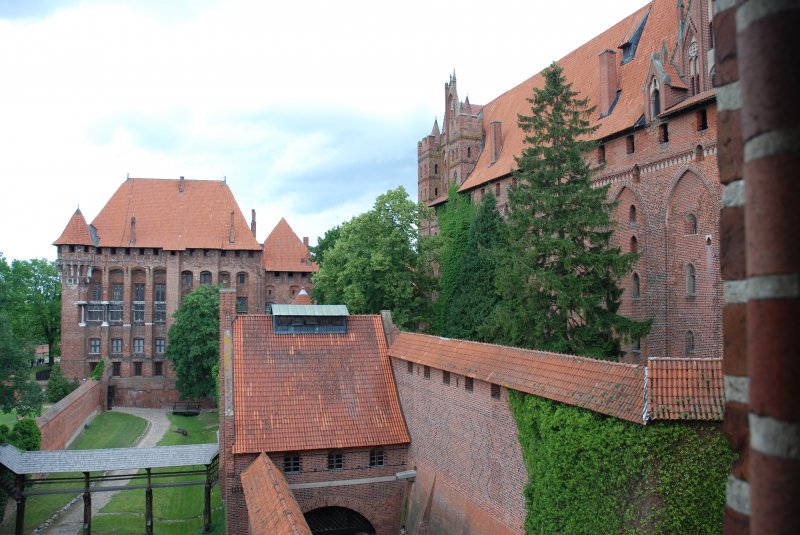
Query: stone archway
x=337, y=521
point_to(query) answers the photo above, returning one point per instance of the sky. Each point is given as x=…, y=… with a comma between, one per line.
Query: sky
x=308, y=110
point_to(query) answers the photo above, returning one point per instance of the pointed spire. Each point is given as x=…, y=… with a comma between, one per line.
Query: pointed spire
x=435, y=130
x=467, y=106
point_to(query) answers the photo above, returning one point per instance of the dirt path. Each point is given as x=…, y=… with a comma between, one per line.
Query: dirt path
x=70, y=522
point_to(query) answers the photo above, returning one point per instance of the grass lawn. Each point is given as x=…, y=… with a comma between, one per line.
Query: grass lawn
x=176, y=510
x=8, y=418
x=108, y=430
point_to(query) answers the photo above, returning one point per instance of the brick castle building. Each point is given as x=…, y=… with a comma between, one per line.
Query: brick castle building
x=124, y=275
x=650, y=77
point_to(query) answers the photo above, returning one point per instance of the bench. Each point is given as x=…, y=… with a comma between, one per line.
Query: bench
x=186, y=408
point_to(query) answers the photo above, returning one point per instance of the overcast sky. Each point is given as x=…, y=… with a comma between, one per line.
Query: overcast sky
x=310, y=109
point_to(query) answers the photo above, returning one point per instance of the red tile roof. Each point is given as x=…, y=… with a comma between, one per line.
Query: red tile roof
x=302, y=298
x=271, y=507
x=686, y=389
x=198, y=217
x=679, y=389
x=582, y=70
x=284, y=251
x=700, y=97
x=76, y=232
x=313, y=391
x=606, y=387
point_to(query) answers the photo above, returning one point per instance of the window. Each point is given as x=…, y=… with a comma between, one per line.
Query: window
x=335, y=460
x=689, y=342
x=116, y=369
x=655, y=99
x=158, y=369
x=468, y=384
x=277, y=275
x=290, y=275
x=291, y=463
x=187, y=280
x=663, y=133
x=137, y=369
x=97, y=292
x=137, y=309
x=205, y=277
x=636, y=345
x=631, y=147
x=241, y=278
x=691, y=280
x=241, y=305
x=426, y=372
x=377, y=457
x=702, y=120
x=445, y=378
x=635, y=286
x=115, y=307
x=435, y=168
x=94, y=346
x=495, y=391
x=632, y=216
x=634, y=247
x=138, y=346
x=160, y=303
x=497, y=190
x=116, y=346
x=601, y=154
x=224, y=279
x=691, y=224
x=410, y=367
x=95, y=313
x=160, y=346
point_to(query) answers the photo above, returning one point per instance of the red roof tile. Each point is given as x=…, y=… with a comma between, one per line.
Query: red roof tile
x=582, y=70
x=606, y=387
x=284, y=251
x=198, y=217
x=313, y=391
x=76, y=232
x=686, y=389
x=302, y=298
x=700, y=97
x=271, y=507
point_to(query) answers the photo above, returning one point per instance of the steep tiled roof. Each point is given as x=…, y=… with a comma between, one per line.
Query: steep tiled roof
x=313, y=391
x=284, y=251
x=686, y=389
x=198, y=217
x=302, y=298
x=700, y=97
x=582, y=70
x=606, y=387
x=271, y=507
x=76, y=232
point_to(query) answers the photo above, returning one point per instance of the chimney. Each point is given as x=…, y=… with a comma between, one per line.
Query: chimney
x=253, y=222
x=133, y=231
x=608, y=80
x=305, y=241
x=181, y=185
x=497, y=140
x=231, y=238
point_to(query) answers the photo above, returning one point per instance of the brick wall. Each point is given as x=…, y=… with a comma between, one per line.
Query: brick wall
x=758, y=125
x=65, y=420
x=381, y=502
x=467, y=441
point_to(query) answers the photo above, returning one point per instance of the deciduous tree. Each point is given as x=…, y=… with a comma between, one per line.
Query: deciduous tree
x=560, y=273
x=193, y=346
x=33, y=302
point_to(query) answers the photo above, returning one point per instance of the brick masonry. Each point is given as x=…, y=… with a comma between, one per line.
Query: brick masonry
x=467, y=441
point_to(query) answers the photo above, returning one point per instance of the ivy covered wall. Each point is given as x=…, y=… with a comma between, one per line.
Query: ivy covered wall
x=591, y=474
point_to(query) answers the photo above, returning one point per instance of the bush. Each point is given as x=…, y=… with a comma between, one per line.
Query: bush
x=58, y=387
x=97, y=372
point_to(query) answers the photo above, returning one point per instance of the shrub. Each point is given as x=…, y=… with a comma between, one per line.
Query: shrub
x=58, y=387
x=97, y=372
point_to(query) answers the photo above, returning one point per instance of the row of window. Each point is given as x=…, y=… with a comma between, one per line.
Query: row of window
x=469, y=382
x=636, y=346
x=127, y=251
x=336, y=460
x=116, y=368
x=701, y=123
x=691, y=282
x=159, y=346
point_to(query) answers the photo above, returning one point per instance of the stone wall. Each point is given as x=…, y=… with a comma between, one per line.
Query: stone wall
x=65, y=420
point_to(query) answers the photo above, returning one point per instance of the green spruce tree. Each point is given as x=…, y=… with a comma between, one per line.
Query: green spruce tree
x=560, y=273
x=476, y=295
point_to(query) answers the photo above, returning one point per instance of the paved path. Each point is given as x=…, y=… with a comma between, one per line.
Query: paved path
x=71, y=521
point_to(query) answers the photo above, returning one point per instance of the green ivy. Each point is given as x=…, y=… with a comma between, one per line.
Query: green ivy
x=591, y=474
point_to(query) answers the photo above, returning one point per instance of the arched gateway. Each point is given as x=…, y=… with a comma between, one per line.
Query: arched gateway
x=337, y=521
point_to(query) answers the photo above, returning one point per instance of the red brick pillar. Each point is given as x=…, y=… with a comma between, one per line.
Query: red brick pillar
x=733, y=265
x=227, y=313
x=762, y=145
x=767, y=39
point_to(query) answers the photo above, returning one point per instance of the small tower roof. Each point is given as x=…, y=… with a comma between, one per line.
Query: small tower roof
x=435, y=130
x=302, y=298
x=76, y=232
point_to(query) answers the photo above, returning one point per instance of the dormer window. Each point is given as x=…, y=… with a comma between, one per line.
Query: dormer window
x=694, y=68
x=655, y=99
